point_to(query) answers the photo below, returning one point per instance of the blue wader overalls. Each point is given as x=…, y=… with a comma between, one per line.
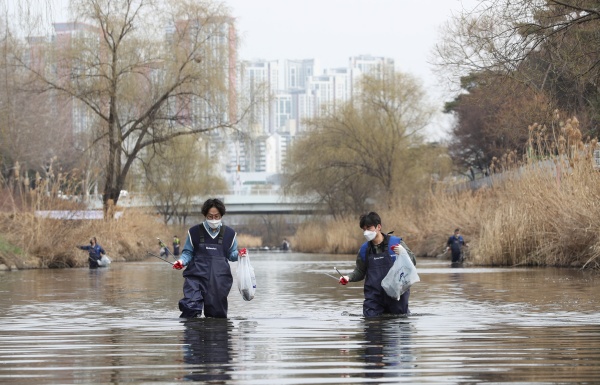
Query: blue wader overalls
x=377, y=301
x=456, y=244
x=208, y=278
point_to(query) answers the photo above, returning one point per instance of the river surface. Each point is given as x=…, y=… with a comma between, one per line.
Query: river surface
x=468, y=325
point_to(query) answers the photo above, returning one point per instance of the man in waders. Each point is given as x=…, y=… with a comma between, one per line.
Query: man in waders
x=455, y=244
x=208, y=248
x=374, y=260
x=95, y=253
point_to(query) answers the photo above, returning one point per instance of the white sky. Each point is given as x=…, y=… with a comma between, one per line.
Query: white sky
x=333, y=30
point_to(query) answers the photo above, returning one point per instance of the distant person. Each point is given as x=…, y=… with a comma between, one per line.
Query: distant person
x=285, y=246
x=95, y=253
x=176, y=243
x=455, y=244
x=208, y=248
x=375, y=258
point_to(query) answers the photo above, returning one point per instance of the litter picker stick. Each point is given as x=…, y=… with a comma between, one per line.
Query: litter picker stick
x=341, y=275
x=329, y=275
x=154, y=255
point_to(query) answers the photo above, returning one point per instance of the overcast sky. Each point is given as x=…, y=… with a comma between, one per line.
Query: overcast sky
x=333, y=30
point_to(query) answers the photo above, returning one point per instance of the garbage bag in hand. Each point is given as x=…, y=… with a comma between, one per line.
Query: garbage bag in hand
x=245, y=278
x=104, y=261
x=401, y=276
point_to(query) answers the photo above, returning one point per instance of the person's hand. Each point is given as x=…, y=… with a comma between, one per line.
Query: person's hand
x=396, y=249
x=178, y=265
x=243, y=252
x=344, y=280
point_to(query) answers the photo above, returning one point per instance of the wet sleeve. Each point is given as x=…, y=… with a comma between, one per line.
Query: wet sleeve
x=233, y=250
x=359, y=271
x=188, y=251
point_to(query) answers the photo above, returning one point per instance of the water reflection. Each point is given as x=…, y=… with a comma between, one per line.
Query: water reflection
x=388, y=347
x=468, y=325
x=207, y=349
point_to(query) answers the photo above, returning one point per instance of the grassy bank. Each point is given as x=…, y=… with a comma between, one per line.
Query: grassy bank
x=542, y=211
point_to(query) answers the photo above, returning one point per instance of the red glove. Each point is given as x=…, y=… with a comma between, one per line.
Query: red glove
x=395, y=248
x=178, y=265
x=343, y=280
x=243, y=252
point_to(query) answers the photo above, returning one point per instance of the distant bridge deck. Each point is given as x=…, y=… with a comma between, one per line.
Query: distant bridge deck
x=241, y=203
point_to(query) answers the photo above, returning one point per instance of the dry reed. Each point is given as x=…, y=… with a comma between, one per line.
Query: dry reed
x=542, y=210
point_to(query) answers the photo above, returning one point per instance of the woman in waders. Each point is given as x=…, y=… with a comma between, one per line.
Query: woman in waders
x=208, y=248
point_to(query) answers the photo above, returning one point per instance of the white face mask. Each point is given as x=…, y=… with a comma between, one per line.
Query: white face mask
x=214, y=223
x=370, y=235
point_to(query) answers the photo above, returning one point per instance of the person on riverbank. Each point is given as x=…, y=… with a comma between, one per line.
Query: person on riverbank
x=455, y=244
x=95, y=252
x=375, y=258
x=176, y=243
x=208, y=248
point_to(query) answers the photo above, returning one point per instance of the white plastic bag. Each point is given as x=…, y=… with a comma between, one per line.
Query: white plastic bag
x=245, y=278
x=401, y=275
x=104, y=261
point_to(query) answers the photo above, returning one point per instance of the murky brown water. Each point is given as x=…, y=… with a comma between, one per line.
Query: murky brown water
x=470, y=325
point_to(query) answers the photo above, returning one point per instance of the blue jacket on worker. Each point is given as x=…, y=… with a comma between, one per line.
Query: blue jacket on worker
x=95, y=252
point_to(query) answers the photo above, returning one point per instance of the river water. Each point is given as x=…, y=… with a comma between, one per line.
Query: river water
x=468, y=325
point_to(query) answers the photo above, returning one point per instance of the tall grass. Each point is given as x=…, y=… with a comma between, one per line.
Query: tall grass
x=542, y=210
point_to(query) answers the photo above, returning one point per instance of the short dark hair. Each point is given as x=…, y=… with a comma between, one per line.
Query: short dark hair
x=210, y=203
x=370, y=219
x=457, y=230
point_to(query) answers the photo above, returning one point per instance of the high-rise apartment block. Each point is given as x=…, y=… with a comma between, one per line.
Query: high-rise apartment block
x=271, y=99
x=296, y=90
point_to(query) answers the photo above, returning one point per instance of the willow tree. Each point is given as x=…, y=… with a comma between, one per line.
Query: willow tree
x=370, y=147
x=146, y=71
x=178, y=173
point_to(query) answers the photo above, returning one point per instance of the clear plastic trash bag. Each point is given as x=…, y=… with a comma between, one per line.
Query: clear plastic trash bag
x=402, y=275
x=104, y=261
x=245, y=278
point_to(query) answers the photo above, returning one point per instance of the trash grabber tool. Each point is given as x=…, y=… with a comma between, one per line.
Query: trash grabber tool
x=156, y=256
x=329, y=275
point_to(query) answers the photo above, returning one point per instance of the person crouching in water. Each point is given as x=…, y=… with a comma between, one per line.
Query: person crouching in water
x=375, y=258
x=208, y=248
x=95, y=252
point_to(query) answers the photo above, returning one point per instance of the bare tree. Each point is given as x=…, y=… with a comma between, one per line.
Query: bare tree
x=149, y=70
x=499, y=35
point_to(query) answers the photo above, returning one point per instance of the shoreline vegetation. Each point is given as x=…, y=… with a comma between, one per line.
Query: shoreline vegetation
x=541, y=211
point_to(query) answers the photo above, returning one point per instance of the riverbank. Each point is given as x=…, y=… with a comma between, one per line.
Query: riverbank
x=543, y=211
x=28, y=241
x=537, y=214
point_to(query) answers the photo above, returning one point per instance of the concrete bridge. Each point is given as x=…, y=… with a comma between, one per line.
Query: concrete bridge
x=251, y=202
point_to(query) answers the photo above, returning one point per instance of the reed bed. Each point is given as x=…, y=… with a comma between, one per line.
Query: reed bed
x=542, y=210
